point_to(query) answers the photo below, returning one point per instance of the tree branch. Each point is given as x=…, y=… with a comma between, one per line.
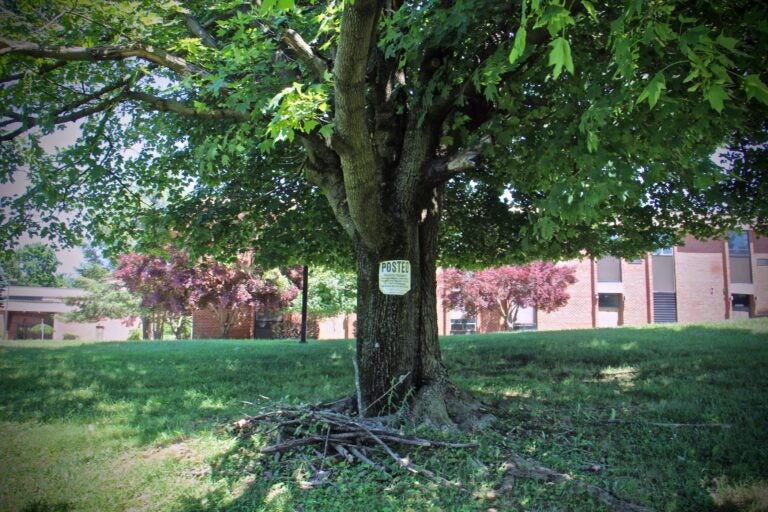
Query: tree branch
x=304, y=51
x=440, y=171
x=100, y=53
x=195, y=28
x=66, y=113
x=361, y=169
x=176, y=107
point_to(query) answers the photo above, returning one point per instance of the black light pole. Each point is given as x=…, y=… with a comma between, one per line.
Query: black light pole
x=304, y=283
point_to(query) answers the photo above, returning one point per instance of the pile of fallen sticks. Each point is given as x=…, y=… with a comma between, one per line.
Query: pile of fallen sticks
x=330, y=435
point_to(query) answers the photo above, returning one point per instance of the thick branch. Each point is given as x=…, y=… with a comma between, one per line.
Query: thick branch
x=305, y=52
x=325, y=172
x=176, y=107
x=362, y=174
x=99, y=53
x=442, y=170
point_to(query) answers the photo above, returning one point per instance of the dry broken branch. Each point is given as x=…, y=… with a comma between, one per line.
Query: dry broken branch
x=520, y=467
x=352, y=438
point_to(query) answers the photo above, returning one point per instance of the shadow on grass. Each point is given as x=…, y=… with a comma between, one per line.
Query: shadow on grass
x=164, y=388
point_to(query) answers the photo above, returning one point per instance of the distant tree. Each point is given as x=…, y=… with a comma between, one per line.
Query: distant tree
x=104, y=297
x=229, y=291
x=165, y=287
x=506, y=289
x=32, y=265
x=330, y=292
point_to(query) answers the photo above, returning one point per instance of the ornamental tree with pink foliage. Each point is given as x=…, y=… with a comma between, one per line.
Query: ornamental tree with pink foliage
x=228, y=291
x=165, y=287
x=506, y=289
x=171, y=289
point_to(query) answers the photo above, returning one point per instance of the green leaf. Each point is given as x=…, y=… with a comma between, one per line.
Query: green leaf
x=653, y=90
x=727, y=42
x=560, y=56
x=716, y=96
x=590, y=9
x=326, y=130
x=592, y=141
x=756, y=89
x=519, y=46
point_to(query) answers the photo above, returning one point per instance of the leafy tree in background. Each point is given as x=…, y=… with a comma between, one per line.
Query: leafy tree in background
x=230, y=291
x=330, y=292
x=32, y=265
x=477, y=131
x=103, y=298
x=165, y=287
x=506, y=289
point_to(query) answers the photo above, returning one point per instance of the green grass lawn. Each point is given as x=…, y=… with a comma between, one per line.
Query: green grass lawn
x=668, y=418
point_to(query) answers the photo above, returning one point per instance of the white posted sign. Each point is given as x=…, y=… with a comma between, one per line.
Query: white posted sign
x=395, y=277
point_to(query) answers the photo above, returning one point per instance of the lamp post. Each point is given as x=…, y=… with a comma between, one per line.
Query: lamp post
x=304, y=288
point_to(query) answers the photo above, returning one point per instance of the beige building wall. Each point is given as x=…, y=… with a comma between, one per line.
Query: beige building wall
x=700, y=275
x=634, y=275
x=106, y=330
x=578, y=314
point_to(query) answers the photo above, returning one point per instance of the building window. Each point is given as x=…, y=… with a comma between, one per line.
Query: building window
x=463, y=325
x=609, y=270
x=608, y=301
x=741, y=264
x=738, y=244
x=663, y=252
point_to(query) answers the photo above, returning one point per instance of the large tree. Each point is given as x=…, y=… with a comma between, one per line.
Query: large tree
x=477, y=131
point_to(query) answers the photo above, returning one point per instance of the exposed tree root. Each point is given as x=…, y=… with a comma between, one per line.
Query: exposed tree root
x=443, y=405
x=520, y=467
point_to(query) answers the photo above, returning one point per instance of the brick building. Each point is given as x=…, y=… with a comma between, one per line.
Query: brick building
x=699, y=281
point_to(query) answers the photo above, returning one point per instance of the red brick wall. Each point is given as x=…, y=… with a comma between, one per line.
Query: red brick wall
x=700, y=282
x=206, y=326
x=490, y=321
x=577, y=314
x=633, y=277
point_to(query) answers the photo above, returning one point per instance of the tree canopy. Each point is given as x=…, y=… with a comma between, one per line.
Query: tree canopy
x=103, y=297
x=558, y=127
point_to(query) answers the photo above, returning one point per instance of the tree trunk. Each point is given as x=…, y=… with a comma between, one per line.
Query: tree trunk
x=398, y=350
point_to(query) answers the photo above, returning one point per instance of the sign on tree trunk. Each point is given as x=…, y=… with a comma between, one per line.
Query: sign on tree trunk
x=395, y=277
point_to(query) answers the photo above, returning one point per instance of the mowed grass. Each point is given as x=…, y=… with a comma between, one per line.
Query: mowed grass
x=669, y=418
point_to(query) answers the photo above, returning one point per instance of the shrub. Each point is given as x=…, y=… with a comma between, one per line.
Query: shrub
x=68, y=336
x=134, y=335
x=38, y=329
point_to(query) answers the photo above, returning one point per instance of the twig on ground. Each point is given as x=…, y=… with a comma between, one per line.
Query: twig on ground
x=669, y=425
x=520, y=467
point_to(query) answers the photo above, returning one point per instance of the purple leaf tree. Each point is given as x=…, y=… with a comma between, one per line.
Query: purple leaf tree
x=506, y=289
